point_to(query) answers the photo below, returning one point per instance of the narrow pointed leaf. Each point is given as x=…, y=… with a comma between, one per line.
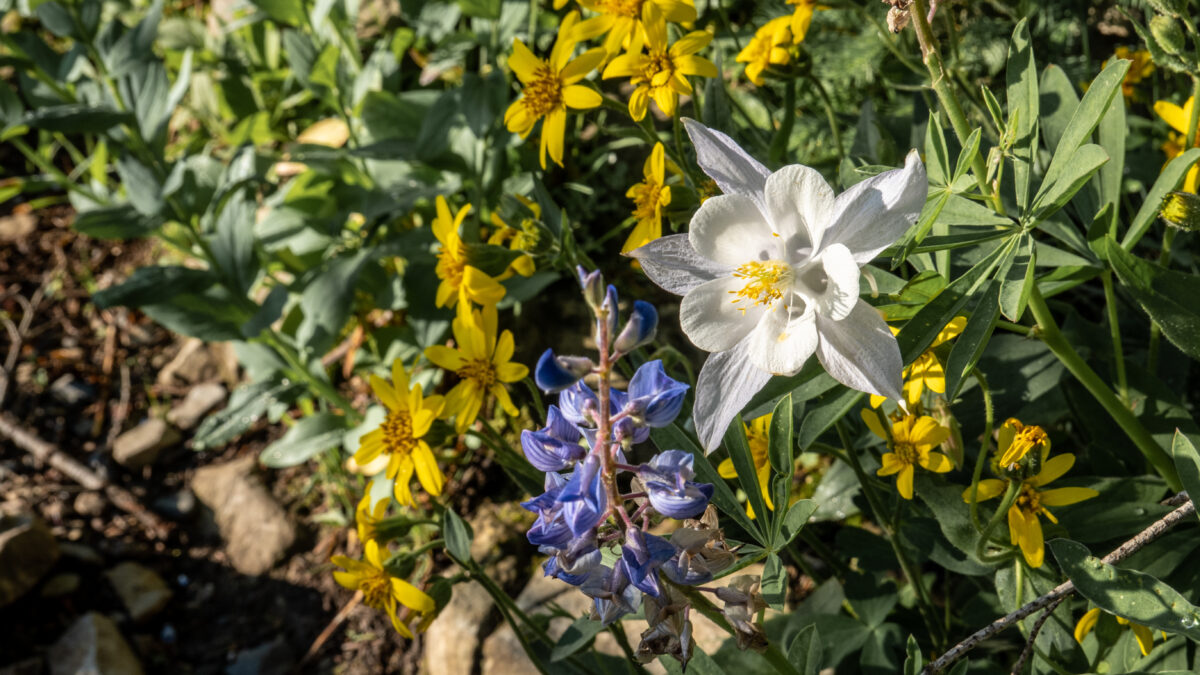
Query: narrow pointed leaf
x=969, y=346
x=1187, y=463
x=804, y=653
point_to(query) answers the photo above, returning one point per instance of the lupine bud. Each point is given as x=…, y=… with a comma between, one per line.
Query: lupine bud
x=1168, y=33
x=592, y=284
x=640, y=329
x=1182, y=210
x=555, y=373
x=612, y=312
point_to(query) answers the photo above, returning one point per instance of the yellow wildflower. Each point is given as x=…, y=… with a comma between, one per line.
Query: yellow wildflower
x=623, y=20
x=1015, y=440
x=521, y=238
x=649, y=197
x=927, y=372
x=381, y=590
x=801, y=18
x=911, y=442
x=660, y=73
x=400, y=437
x=1178, y=118
x=481, y=362
x=549, y=88
x=1144, y=636
x=366, y=519
x=757, y=437
x=769, y=47
x=1024, y=527
x=461, y=282
x=1139, y=70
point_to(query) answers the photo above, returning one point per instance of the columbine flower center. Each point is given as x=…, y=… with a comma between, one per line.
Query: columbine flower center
x=398, y=432
x=646, y=197
x=907, y=452
x=544, y=93
x=480, y=370
x=765, y=281
x=376, y=589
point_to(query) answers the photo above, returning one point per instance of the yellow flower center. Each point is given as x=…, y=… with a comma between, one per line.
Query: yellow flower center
x=907, y=452
x=376, y=589
x=646, y=197
x=450, y=266
x=656, y=62
x=480, y=370
x=544, y=93
x=629, y=8
x=1030, y=502
x=765, y=281
x=398, y=432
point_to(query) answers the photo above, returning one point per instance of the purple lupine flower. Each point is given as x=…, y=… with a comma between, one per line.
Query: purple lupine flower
x=669, y=486
x=654, y=399
x=584, y=498
x=554, y=373
x=639, y=330
x=550, y=528
x=579, y=404
x=555, y=447
x=700, y=553
x=614, y=596
x=573, y=567
x=641, y=556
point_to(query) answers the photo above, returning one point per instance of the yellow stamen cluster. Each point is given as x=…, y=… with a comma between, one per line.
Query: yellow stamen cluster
x=765, y=281
x=398, y=432
x=480, y=370
x=543, y=93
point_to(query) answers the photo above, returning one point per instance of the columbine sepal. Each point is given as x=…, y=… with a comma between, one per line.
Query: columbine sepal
x=639, y=330
x=669, y=486
x=555, y=373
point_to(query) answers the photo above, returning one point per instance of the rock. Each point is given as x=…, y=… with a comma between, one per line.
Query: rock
x=270, y=658
x=141, y=445
x=255, y=528
x=27, y=552
x=30, y=666
x=17, y=226
x=143, y=592
x=61, y=584
x=93, y=646
x=177, y=506
x=199, y=400
x=70, y=391
x=452, y=642
x=89, y=503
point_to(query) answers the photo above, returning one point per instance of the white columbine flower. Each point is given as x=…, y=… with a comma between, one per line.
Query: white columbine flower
x=769, y=272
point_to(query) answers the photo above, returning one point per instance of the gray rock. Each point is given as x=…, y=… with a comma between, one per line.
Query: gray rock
x=80, y=552
x=452, y=642
x=256, y=530
x=270, y=658
x=27, y=552
x=194, y=363
x=199, y=401
x=178, y=506
x=93, y=646
x=17, y=226
x=70, y=391
x=61, y=584
x=141, y=445
x=143, y=592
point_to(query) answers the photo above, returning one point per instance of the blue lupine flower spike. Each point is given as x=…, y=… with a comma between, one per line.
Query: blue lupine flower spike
x=639, y=330
x=554, y=373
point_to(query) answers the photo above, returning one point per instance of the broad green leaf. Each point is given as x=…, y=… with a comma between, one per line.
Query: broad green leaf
x=56, y=19
x=1058, y=101
x=289, y=12
x=307, y=438
x=1187, y=463
x=76, y=118
x=457, y=535
x=141, y=186
x=328, y=300
x=1018, y=279
x=672, y=437
x=246, y=406
x=115, y=222
x=946, y=503
x=774, y=582
x=872, y=601
x=149, y=284
x=1112, y=135
x=830, y=408
x=804, y=653
x=388, y=115
x=969, y=345
x=1171, y=298
x=796, y=518
x=1132, y=595
x=1170, y=179
x=963, y=211
x=1085, y=119
x=914, y=660
x=268, y=312
x=747, y=472
x=1022, y=81
x=577, y=636
x=1073, y=175
x=233, y=243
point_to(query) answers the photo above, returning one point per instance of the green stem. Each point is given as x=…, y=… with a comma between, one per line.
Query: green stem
x=317, y=385
x=829, y=115
x=1010, y=497
x=888, y=39
x=1122, y=415
x=989, y=420
x=1114, y=328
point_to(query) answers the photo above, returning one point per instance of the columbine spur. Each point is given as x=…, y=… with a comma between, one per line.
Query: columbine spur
x=769, y=272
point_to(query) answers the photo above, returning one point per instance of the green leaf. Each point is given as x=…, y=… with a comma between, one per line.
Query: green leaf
x=577, y=636
x=328, y=300
x=963, y=211
x=56, y=19
x=914, y=660
x=491, y=259
x=212, y=315
x=484, y=9
x=1085, y=119
x=1169, y=179
x=969, y=346
x=246, y=406
x=115, y=222
x=77, y=118
x=747, y=472
x=937, y=155
x=1112, y=138
x=1018, y=279
x=1021, y=77
x=307, y=438
x=233, y=243
x=672, y=437
x=1058, y=101
x=149, y=284
x=290, y=12
x=830, y=408
x=1055, y=192
x=457, y=535
x=783, y=465
x=1187, y=463
x=969, y=151
x=804, y=653
x=796, y=518
x=141, y=186
x=1131, y=595
x=774, y=582
x=1172, y=299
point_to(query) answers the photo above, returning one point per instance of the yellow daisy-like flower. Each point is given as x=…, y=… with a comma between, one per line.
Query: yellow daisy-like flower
x=482, y=363
x=366, y=519
x=661, y=72
x=622, y=21
x=1144, y=636
x=911, y=442
x=801, y=18
x=381, y=590
x=1178, y=118
x=757, y=437
x=400, y=437
x=1024, y=527
x=1015, y=440
x=461, y=282
x=649, y=197
x=769, y=47
x=1139, y=70
x=521, y=238
x=927, y=372
x=549, y=88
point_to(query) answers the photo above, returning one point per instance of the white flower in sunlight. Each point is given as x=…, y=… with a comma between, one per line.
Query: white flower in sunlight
x=769, y=272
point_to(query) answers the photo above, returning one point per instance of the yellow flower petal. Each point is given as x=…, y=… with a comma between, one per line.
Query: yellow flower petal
x=1174, y=115
x=1029, y=538
x=1067, y=495
x=577, y=69
x=412, y=597
x=936, y=462
x=891, y=464
x=579, y=97
x=904, y=482
x=1052, y=469
x=523, y=62
x=726, y=470
x=1086, y=623
x=428, y=472
x=872, y=420
x=1145, y=638
x=989, y=488
x=553, y=129
x=444, y=357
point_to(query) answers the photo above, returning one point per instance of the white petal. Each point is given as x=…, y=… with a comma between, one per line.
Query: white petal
x=841, y=282
x=799, y=202
x=873, y=214
x=730, y=230
x=734, y=171
x=674, y=265
x=726, y=384
x=710, y=317
x=784, y=339
x=860, y=352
